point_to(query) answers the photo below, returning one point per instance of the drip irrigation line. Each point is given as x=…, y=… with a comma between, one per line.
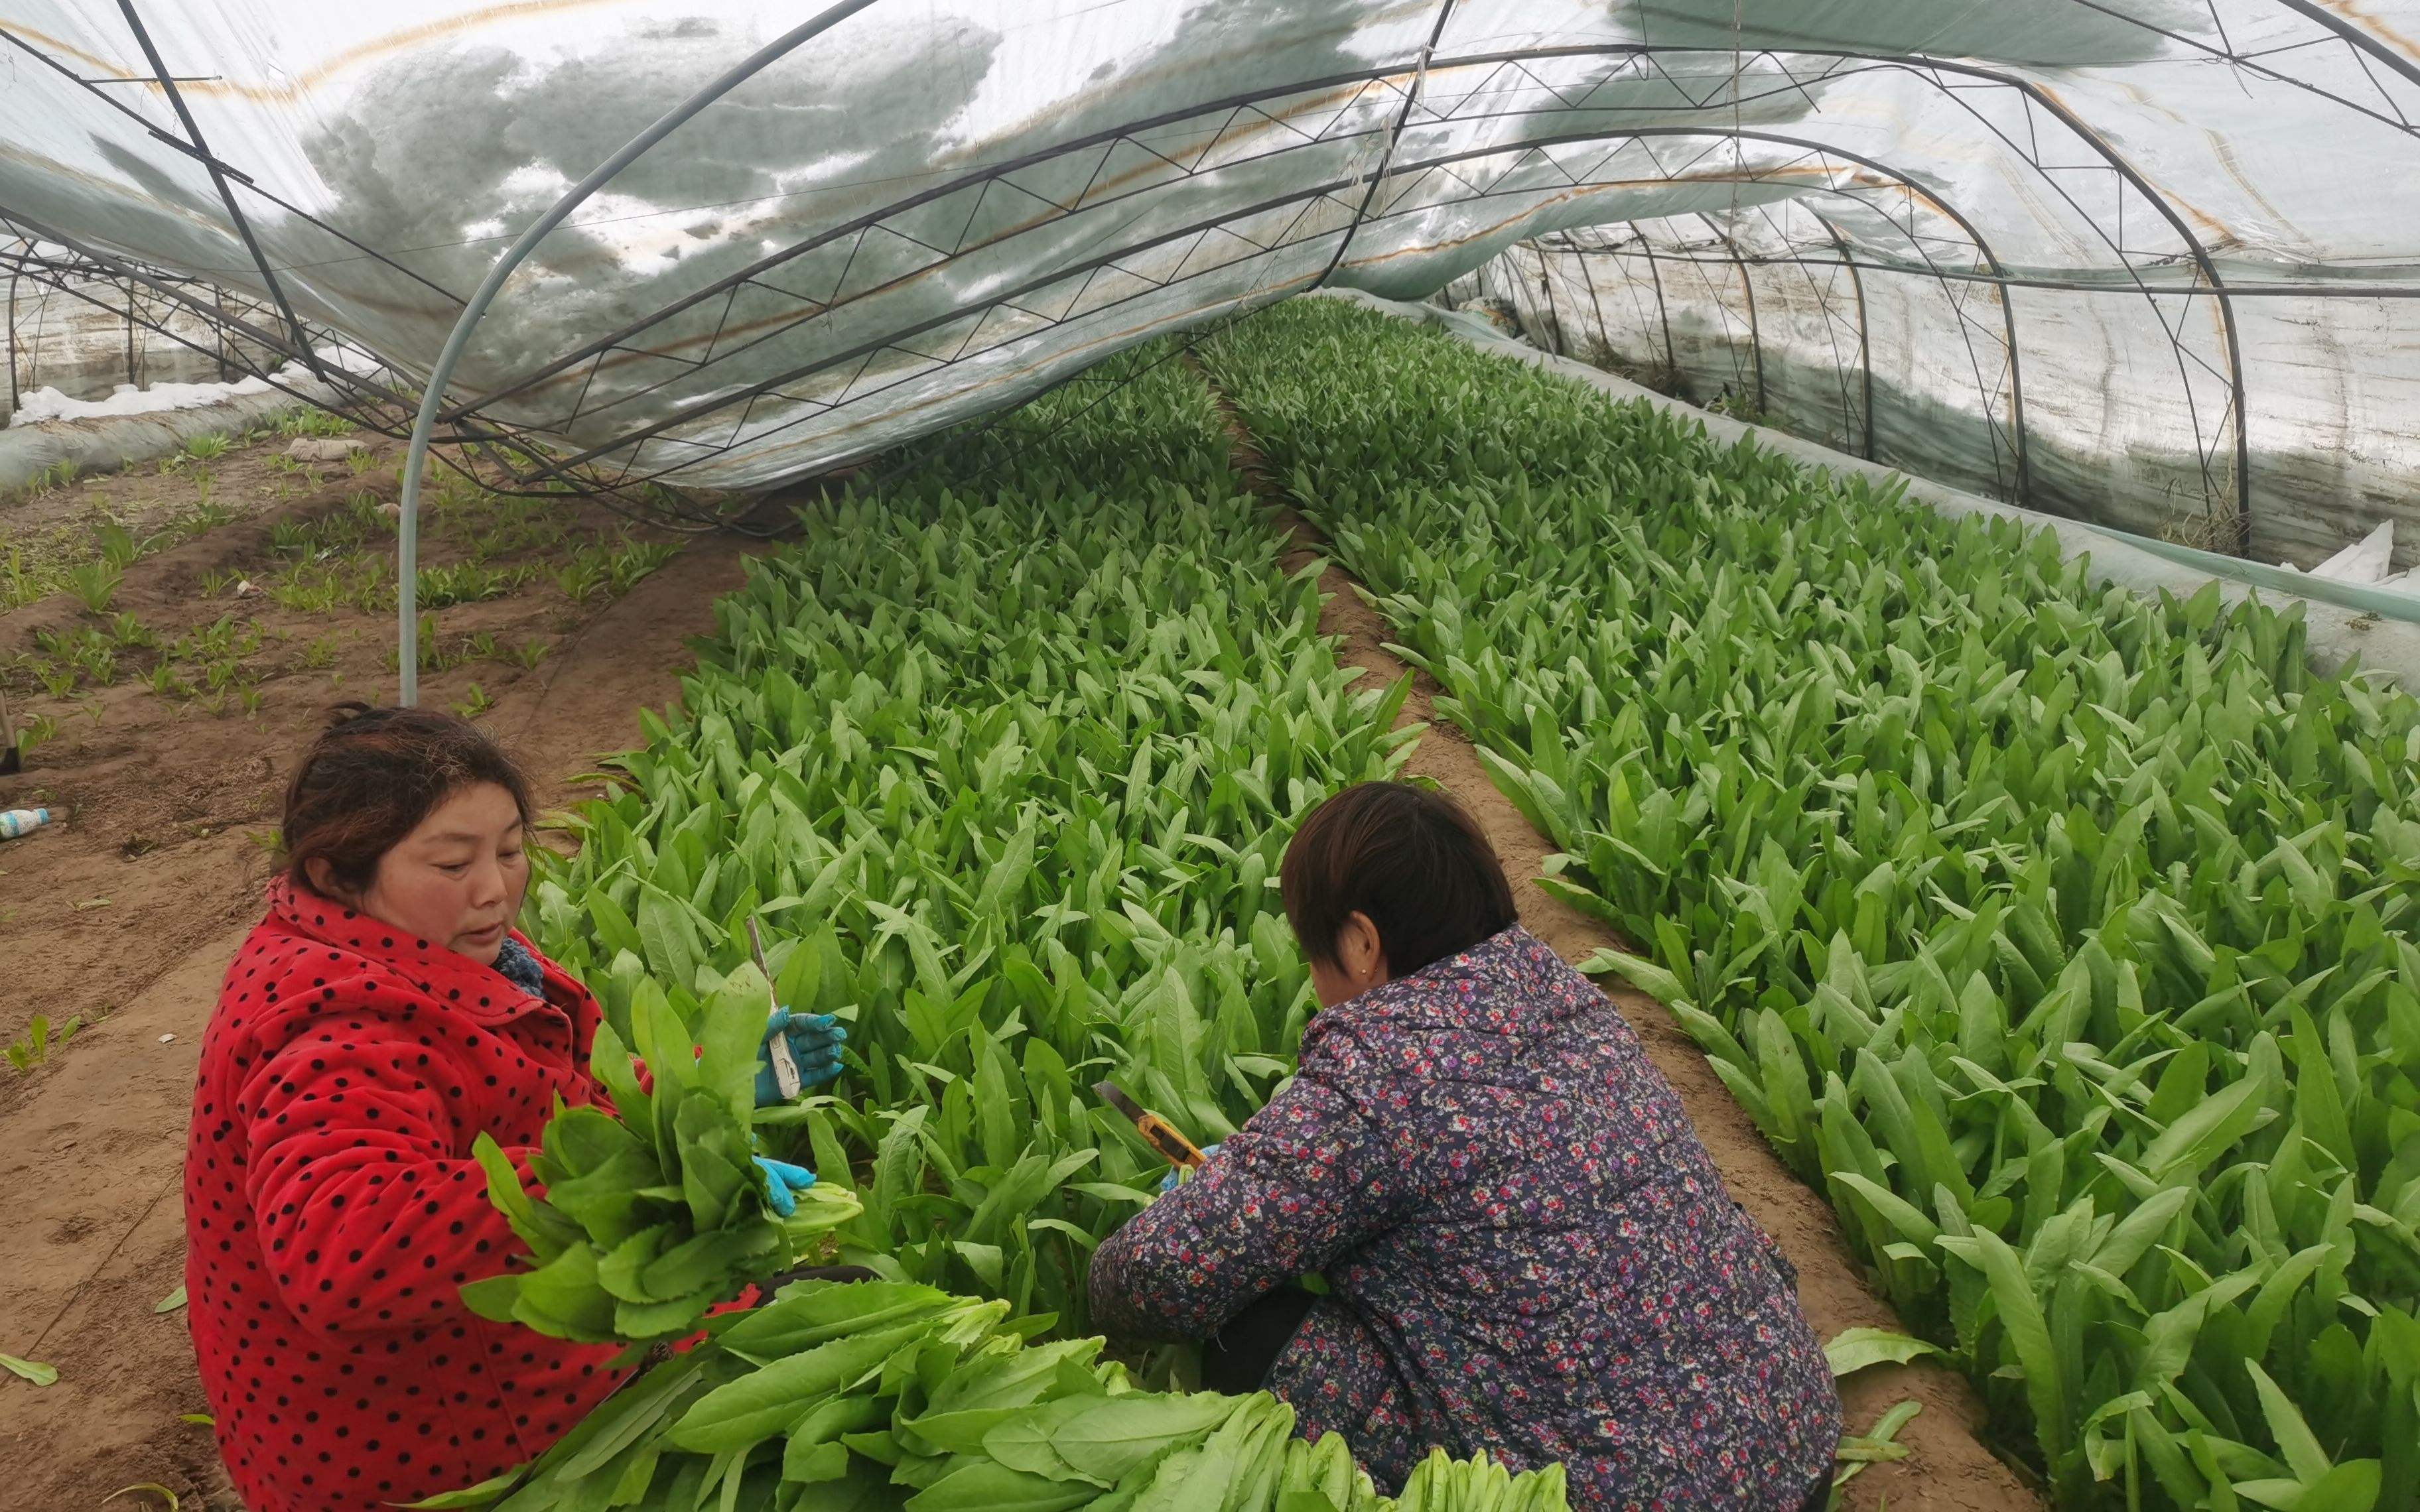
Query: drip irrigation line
x=174, y=1180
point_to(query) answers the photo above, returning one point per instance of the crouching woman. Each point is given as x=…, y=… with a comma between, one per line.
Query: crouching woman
x=1525, y=1248
x=380, y=1017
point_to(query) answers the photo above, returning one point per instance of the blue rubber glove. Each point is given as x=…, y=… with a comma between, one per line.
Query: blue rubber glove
x=1177, y=1174
x=783, y=1181
x=814, y=1040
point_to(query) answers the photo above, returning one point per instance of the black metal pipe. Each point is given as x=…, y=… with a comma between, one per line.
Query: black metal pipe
x=1419, y=71
x=1663, y=318
x=1755, y=336
x=2178, y=291
x=201, y=149
x=1865, y=345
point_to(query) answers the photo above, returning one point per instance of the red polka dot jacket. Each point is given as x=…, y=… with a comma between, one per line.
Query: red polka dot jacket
x=333, y=1211
x=1527, y=1250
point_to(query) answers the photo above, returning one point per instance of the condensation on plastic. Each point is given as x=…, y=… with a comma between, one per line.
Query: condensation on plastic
x=432, y=129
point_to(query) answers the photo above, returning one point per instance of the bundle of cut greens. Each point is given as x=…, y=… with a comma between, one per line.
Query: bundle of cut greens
x=889, y=1395
x=654, y=1211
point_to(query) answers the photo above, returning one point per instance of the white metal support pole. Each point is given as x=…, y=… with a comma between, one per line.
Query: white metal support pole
x=432, y=399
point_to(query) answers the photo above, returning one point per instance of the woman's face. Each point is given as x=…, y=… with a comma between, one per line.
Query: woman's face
x=456, y=879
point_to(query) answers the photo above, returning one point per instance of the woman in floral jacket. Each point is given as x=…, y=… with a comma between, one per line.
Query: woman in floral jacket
x=1525, y=1248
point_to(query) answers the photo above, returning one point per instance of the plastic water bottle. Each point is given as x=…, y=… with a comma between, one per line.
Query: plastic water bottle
x=18, y=822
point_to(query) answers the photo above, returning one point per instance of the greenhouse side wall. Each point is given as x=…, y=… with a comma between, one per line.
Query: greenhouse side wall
x=88, y=347
x=2123, y=425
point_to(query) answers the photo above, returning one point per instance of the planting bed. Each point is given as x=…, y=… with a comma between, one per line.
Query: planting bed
x=1006, y=758
x=2056, y=937
x=2061, y=935
x=1009, y=773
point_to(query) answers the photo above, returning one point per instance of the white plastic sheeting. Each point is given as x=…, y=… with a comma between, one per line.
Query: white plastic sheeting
x=943, y=204
x=102, y=443
x=126, y=399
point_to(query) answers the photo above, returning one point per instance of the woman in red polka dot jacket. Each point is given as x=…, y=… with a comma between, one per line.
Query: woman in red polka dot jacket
x=383, y=1015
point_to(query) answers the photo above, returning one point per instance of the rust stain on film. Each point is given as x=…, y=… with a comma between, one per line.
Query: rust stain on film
x=297, y=85
x=2215, y=232
x=2375, y=27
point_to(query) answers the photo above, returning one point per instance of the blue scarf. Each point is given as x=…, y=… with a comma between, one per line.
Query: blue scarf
x=516, y=965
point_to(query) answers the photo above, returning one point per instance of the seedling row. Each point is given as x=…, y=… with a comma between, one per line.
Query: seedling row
x=2064, y=937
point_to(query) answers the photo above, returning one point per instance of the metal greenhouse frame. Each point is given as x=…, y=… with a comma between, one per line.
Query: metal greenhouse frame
x=1377, y=123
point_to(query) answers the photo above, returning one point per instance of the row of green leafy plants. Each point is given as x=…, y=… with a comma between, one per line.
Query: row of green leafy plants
x=2065, y=937
x=1006, y=777
x=1005, y=774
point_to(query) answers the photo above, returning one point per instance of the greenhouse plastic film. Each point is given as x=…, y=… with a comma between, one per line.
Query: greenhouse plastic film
x=935, y=209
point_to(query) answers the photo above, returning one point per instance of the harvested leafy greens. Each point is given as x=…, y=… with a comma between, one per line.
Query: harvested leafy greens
x=653, y=1212
x=884, y=1394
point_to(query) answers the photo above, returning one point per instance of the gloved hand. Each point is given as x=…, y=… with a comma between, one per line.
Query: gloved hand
x=1177, y=1174
x=783, y=1181
x=814, y=1040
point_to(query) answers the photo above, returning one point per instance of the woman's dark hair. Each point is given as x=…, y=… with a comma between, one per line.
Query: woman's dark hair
x=1411, y=860
x=372, y=777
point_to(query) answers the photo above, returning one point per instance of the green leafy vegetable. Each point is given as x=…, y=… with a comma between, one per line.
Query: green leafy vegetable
x=653, y=1212
x=2066, y=937
x=1853, y=1350
x=887, y=1396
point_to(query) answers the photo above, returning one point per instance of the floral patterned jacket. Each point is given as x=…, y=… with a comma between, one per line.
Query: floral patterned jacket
x=1527, y=1250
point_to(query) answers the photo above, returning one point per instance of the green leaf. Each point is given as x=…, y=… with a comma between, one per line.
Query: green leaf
x=2027, y=1332
x=33, y=1371
x=2295, y=1440
x=480, y=1495
x=986, y=1486
x=1854, y=1349
x=733, y=1030
x=774, y=1399
x=2214, y=1126
x=1123, y=1432
x=1639, y=972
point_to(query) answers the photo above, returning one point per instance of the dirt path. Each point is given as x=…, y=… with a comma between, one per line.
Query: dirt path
x=92, y=1145
x=1948, y=1469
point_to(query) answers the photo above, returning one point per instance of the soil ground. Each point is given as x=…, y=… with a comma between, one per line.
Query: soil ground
x=1948, y=1469
x=48, y=529
x=126, y=913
